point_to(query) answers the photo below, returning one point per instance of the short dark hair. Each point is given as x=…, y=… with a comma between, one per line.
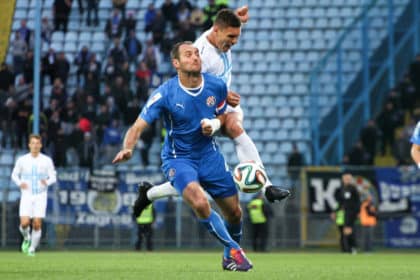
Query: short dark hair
x=175, y=49
x=227, y=18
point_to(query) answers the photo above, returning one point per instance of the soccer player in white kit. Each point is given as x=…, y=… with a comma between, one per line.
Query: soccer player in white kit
x=214, y=47
x=33, y=173
x=415, y=145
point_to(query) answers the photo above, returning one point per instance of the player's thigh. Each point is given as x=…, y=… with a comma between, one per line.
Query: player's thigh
x=40, y=206
x=180, y=172
x=25, y=206
x=233, y=124
x=215, y=176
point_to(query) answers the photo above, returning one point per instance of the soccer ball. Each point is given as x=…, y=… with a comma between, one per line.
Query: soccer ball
x=249, y=177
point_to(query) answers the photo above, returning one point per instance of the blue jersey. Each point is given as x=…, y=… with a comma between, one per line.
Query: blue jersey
x=183, y=109
x=415, y=138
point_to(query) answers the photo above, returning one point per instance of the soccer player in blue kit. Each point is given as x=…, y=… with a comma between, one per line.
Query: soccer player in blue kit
x=193, y=104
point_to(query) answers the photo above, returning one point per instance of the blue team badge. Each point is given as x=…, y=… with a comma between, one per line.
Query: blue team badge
x=171, y=173
x=211, y=100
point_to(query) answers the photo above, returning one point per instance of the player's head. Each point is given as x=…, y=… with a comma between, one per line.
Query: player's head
x=35, y=144
x=185, y=58
x=226, y=29
x=346, y=177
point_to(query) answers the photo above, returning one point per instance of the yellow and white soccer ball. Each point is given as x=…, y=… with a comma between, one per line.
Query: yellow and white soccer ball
x=249, y=177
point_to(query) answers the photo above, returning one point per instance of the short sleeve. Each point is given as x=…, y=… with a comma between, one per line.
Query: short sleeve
x=153, y=108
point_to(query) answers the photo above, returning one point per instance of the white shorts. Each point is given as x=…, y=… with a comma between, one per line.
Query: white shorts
x=33, y=206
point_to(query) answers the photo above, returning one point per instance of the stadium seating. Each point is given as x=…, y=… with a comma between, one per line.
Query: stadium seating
x=280, y=44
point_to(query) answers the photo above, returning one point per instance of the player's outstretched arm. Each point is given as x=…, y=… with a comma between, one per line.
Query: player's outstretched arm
x=130, y=140
x=242, y=13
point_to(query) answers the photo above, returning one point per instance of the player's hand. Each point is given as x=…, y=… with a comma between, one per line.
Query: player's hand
x=233, y=98
x=123, y=155
x=209, y=127
x=347, y=230
x=44, y=182
x=242, y=13
x=23, y=186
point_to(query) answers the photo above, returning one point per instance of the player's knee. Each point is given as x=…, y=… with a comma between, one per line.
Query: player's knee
x=201, y=207
x=233, y=127
x=235, y=216
x=36, y=225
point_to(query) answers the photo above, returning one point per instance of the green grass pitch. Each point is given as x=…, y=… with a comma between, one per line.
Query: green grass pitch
x=207, y=265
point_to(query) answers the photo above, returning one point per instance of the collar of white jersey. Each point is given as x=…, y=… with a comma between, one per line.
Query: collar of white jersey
x=191, y=91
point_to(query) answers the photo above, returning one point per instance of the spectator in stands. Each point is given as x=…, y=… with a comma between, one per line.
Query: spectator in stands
x=369, y=136
x=7, y=77
x=110, y=70
x=61, y=11
x=94, y=67
x=151, y=56
x=183, y=11
x=149, y=17
x=62, y=68
x=143, y=77
x=125, y=73
x=57, y=140
x=28, y=67
x=23, y=112
x=91, y=86
x=82, y=61
x=49, y=65
x=102, y=120
x=46, y=30
x=120, y=5
x=358, y=155
x=118, y=53
x=295, y=162
x=158, y=27
x=114, y=25
x=169, y=13
x=388, y=120
x=210, y=11
x=133, y=47
x=401, y=148
x=87, y=151
x=58, y=92
x=81, y=8
x=408, y=94
x=197, y=19
x=132, y=111
x=146, y=141
x=8, y=108
x=25, y=33
x=19, y=50
x=121, y=93
x=111, y=141
x=415, y=74
x=92, y=7
x=185, y=32
x=130, y=23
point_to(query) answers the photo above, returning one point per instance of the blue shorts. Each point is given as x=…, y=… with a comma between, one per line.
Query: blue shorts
x=210, y=171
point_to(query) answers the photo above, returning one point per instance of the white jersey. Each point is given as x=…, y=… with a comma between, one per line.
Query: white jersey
x=31, y=170
x=213, y=60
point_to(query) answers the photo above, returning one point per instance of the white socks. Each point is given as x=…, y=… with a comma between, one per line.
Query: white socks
x=247, y=151
x=25, y=232
x=36, y=237
x=161, y=191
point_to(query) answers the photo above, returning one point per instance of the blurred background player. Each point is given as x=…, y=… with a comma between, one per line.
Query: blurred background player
x=214, y=46
x=33, y=173
x=191, y=159
x=415, y=145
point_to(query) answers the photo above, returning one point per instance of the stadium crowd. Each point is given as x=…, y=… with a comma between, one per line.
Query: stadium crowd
x=86, y=124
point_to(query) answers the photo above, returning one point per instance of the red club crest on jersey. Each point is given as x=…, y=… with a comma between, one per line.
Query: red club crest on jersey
x=211, y=100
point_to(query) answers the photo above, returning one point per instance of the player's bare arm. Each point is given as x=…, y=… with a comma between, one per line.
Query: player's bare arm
x=233, y=98
x=23, y=186
x=130, y=140
x=242, y=13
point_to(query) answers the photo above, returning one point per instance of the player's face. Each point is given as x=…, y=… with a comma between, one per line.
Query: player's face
x=189, y=59
x=227, y=37
x=35, y=146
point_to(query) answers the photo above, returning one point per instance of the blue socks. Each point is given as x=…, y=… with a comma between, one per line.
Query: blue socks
x=216, y=227
x=236, y=232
